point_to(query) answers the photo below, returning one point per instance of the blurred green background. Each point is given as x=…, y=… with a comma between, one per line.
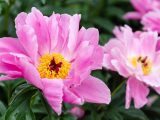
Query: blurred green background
x=20, y=101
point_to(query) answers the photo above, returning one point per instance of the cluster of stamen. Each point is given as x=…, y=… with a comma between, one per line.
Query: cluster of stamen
x=53, y=66
x=145, y=64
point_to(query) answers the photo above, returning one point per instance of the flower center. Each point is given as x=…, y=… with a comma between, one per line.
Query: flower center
x=145, y=64
x=53, y=66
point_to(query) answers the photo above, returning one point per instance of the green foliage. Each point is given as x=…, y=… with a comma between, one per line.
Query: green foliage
x=20, y=101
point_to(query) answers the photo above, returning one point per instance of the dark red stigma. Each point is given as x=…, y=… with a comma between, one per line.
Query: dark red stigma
x=144, y=60
x=55, y=67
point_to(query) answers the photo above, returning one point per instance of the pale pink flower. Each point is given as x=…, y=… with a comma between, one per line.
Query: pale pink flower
x=55, y=56
x=141, y=8
x=151, y=21
x=134, y=56
x=77, y=111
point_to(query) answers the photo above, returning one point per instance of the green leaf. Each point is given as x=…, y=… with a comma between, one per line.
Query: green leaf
x=104, y=23
x=43, y=1
x=118, y=1
x=2, y=108
x=115, y=11
x=20, y=102
x=113, y=114
x=133, y=114
x=104, y=39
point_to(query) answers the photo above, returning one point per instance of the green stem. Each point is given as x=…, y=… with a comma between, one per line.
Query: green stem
x=6, y=16
x=119, y=86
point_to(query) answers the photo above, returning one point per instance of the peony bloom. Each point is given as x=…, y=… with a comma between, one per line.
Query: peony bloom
x=55, y=56
x=141, y=8
x=151, y=21
x=77, y=111
x=134, y=56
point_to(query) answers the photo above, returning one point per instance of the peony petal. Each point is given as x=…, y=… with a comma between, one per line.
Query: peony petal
x=151, y=21
x=71, y=97
x=53, y=92
x=138, y=91
x=73, y=28
x=10, y=45
x=84, y=59
x=20, y=20
x=148, y=43
x=107, y=62
x=121, y=68
x=9, y=66
x=6, y=77
x=30, y=73
x=53, y=26
x=77, y=111
x=28, y=40
x=142, y=5
x=63, y=24
x=132, y=15
x=97, y=53
x=157, y=89
x=37, y=21
x=151, y=80
x=93, y=90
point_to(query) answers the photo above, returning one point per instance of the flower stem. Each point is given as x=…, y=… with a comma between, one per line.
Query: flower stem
x=117, y=88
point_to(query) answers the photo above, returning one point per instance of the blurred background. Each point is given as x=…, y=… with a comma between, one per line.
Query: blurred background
x=20, y=101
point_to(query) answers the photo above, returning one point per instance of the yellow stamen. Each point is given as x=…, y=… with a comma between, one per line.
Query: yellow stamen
x=134, y=61
x=145, y=63
x=146, y=68
x=53, y=66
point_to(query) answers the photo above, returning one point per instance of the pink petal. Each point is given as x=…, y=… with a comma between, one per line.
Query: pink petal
x=98, y=53
x=20, y=20
x=137, y=91
x=151, y=80
x=84, y=58
x=157, y=89
x=158, y=45
x=148, y=43
x=63, y=25
x=73, y=28
x=30, y=73
x=132, y=16
x=37, y=21
x=54, y=30
x=28, y=40
x=107, y=62
x=90, y=34
x=151, y=21
x=11, y=45
x=9, y=67
x=121, y=68
x=142, y=5
x=71, y=97
x=93, y=90
x=77, y=111
x=8, y=63
x=6, y=77
x=53, y=92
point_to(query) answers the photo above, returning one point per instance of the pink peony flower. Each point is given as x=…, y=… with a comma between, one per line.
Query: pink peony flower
x=55, y=56
x=151, y=21
x=134, y=56
x=77, y=111
x=141, y=8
